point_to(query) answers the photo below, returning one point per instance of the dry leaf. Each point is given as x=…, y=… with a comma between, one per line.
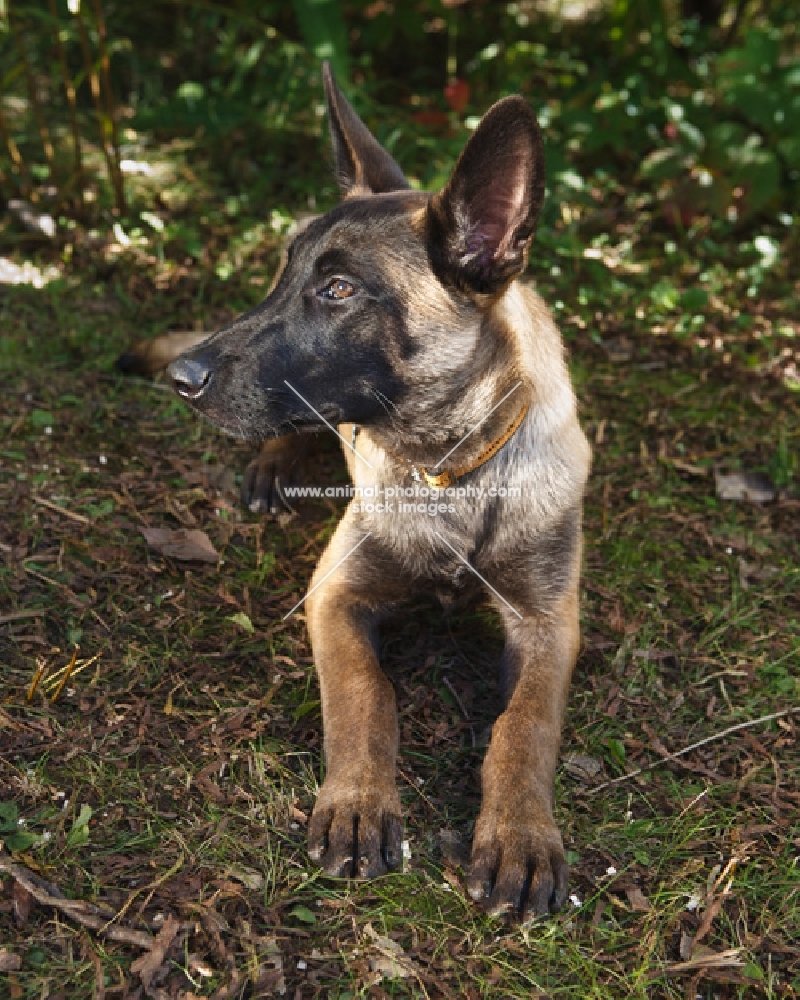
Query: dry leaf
x=706, y=962
x=147, y=965
x=582, y=768
x=189, y=545
x=388, y=967
x=753, y=486
x=21, y=900
x=637, y=899
x=391, y=962
x=9, y=962
x=753, y=572
x=249, y=877
x=690, y=467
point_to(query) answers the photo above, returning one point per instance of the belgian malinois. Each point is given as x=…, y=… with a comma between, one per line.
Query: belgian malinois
x=398, y=318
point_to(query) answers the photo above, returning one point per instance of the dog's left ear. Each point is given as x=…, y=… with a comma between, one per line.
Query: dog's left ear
x=362, y=165
x=480, y=225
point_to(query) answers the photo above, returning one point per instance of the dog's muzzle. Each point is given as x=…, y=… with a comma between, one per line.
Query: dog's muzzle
x=190, y=377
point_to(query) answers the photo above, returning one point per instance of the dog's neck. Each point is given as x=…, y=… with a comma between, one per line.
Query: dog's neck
x=468, y=389
x=437, y=453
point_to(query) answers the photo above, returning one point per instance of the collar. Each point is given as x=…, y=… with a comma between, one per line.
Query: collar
x=443, y=480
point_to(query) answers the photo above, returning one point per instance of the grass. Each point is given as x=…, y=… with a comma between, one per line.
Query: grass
x=174, y=774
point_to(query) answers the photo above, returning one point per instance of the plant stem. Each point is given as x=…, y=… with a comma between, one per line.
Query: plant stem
x=114, y=173
x=44, y=133
x=69, y=88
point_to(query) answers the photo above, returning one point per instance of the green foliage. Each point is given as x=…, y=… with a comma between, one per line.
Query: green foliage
x=325, y=33
x=632, y=94
x=242, y=620
x=79, y=834
x=12, y=829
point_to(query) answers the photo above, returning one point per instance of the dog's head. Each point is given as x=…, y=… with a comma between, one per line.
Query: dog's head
x=381, y=300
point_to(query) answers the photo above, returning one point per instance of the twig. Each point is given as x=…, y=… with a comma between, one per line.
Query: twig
x=16, y=616
x=81, y=912
x=71, y=596
x=72, y=101
x=62, y=510
x=695, y=746
x=151, y=888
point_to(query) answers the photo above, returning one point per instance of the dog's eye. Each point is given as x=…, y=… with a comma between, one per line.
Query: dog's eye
x=337, y=289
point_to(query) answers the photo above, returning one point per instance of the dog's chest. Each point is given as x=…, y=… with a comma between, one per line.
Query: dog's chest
x=424, y=538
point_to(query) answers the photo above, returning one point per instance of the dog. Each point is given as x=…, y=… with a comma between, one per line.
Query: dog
x=400, y=320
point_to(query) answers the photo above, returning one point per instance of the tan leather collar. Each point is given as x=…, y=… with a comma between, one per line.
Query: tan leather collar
x=442, y=480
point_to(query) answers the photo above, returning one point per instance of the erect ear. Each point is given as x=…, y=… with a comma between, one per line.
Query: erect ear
x=362, y=165
x=480, y=225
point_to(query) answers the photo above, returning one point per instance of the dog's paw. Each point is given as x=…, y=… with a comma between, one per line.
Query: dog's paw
x=262, y=487
x=266, y=477
x=356, y=832
x=518, y=868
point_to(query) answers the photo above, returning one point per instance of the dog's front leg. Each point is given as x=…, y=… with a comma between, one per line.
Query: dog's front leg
x=356, y=827
x=518, y=864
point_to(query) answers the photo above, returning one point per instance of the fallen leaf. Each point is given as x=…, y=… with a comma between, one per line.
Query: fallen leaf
x=391, y=962
x=388, y=967
x=639, y=902
x=582, y=768
x=21, y=900
x=209, y=788
x=753, y=486
x=9, y=962
x=298, y=815
x=147, y=965
x=249, y=877
x=752, y=572
x=189, y=545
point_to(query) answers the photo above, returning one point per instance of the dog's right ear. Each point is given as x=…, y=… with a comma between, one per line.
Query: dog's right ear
x=362, y=165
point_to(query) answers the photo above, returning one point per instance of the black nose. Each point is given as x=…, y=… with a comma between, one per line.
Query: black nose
x=190, y=376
